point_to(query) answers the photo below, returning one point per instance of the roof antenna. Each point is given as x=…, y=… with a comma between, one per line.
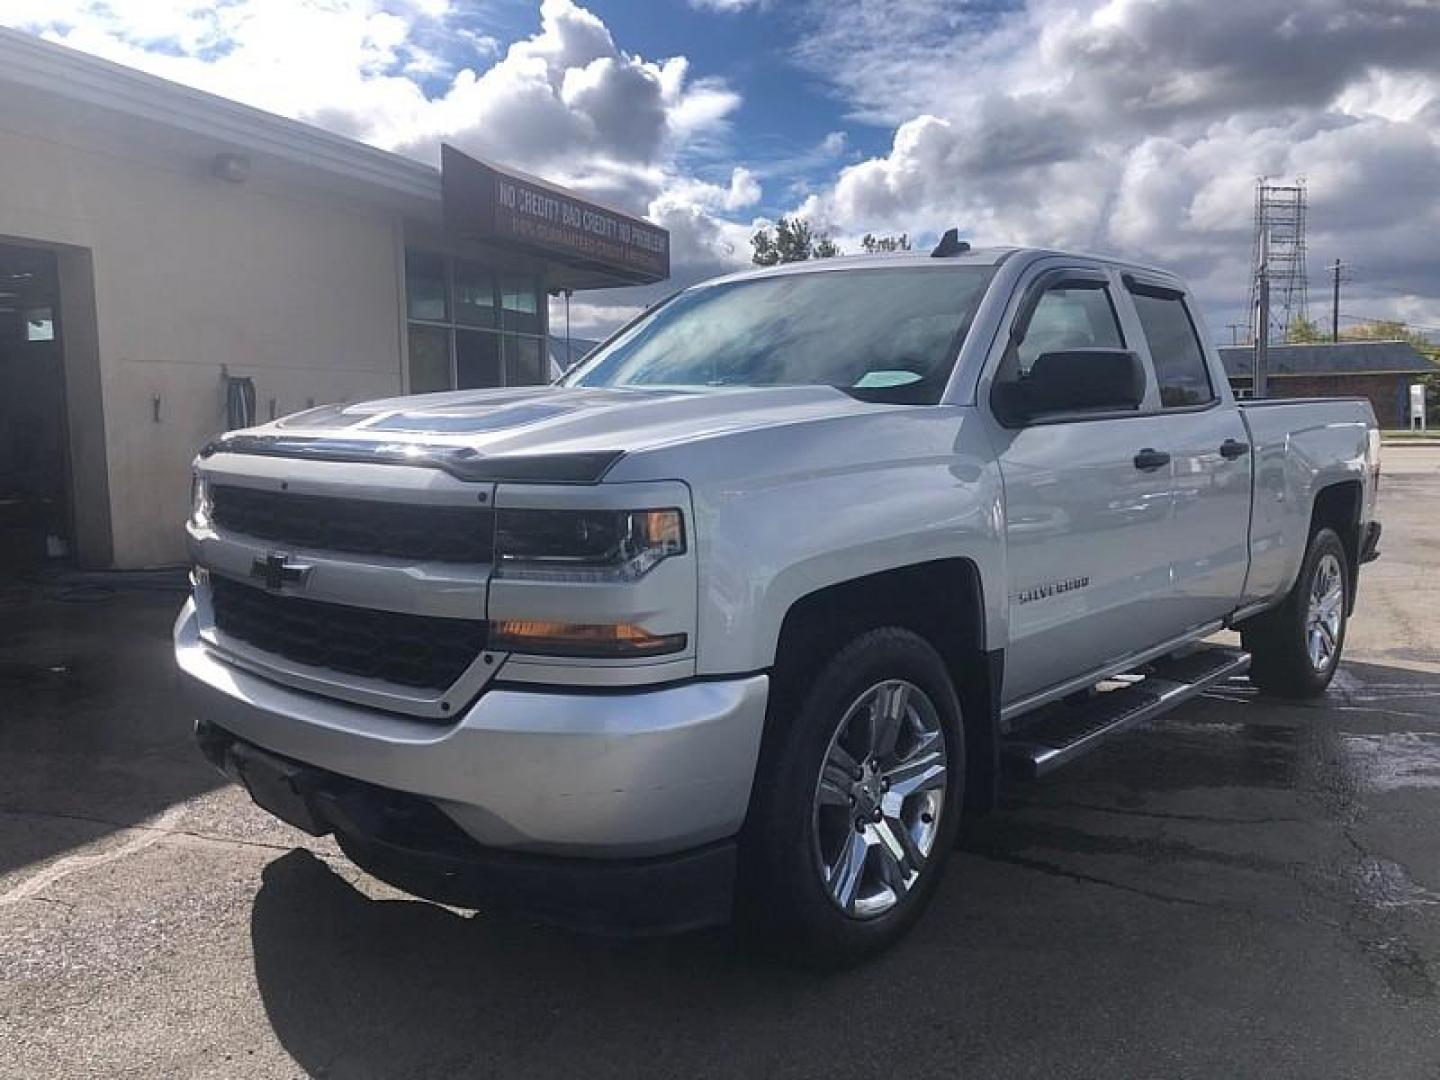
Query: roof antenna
x=950, y=245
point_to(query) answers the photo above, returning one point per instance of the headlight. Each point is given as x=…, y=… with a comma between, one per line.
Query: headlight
x=199, y=499
x=585, y=545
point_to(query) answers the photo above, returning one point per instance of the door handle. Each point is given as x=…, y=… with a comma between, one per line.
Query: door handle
x=1234, y=448
x=1150, y=458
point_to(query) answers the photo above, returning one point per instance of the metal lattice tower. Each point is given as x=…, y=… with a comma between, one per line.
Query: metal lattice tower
x=1280, y=219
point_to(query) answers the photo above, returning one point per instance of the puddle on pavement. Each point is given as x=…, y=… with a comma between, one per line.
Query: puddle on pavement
x=24, y=675
x=1382, y=883
x=1393, y=762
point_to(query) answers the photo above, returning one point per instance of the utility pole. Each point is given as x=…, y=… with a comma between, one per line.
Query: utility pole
x=1260, y=381
x=1335, y=270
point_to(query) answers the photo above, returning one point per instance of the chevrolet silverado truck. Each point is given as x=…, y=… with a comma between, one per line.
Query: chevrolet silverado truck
x=737, y=618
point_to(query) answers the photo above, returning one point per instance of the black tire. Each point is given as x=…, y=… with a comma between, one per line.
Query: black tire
x=784, y=899
x=1278, y=640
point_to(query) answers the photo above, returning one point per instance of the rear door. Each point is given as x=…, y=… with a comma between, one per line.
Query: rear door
x=1208, y=536
x=1086, y=513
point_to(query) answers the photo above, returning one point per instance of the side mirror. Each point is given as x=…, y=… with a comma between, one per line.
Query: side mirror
x=1074, y=380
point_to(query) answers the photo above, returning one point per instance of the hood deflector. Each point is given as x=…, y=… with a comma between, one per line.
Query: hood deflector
x=461, y=462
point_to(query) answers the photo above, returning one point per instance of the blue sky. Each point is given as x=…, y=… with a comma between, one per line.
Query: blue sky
x=785, y=107
x=1129, y=126
x=786, y=111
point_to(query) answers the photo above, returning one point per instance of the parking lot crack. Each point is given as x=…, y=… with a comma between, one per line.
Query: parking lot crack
x=162, y=828
x=71, y=864
x=1052, y=870
x=1163, y=815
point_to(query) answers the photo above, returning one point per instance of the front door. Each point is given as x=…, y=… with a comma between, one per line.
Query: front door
x=34, y=489
x=1086, y=511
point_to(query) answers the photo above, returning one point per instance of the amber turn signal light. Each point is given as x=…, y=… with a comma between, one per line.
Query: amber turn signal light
x=596, y=640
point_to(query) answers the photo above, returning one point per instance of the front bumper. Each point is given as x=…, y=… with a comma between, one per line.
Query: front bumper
x=404, y=840
x=1370, y=543
x=594, y=775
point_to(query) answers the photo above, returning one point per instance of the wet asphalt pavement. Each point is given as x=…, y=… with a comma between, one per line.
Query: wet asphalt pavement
x=1246, y=888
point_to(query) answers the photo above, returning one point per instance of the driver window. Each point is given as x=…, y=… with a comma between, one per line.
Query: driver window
x=1069, y=318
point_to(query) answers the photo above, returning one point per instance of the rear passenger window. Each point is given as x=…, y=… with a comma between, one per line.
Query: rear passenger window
x=1174, y=348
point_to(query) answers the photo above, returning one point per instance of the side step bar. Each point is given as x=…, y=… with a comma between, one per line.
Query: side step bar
x=1060, y=733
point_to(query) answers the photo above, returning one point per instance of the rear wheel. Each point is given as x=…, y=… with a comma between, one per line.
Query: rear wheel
x=858, y=801
x=1296, y=647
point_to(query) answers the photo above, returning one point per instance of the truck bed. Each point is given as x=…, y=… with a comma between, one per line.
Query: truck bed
x=1300, y=445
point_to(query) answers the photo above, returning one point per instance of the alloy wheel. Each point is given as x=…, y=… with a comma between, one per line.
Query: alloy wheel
x=1326, y=609
x=879, y=798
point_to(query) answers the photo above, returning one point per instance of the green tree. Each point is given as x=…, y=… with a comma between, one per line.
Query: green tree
x=1395, y=330
x=792, y=240
x=870, y=243
x=1388, y=330
x=1303, y=331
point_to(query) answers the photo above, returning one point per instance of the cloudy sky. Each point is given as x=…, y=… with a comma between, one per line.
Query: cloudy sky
x=1130, y=126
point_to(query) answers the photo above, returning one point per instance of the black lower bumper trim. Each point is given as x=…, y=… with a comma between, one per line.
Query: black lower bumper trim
x=1370, y=543
x=406, y=841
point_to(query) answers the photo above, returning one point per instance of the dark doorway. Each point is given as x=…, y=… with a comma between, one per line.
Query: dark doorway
x=34, y=483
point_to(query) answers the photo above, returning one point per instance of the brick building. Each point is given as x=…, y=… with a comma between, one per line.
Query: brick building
x=1379, y=370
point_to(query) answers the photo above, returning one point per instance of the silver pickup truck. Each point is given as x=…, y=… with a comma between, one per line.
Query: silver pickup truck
x=738, y=618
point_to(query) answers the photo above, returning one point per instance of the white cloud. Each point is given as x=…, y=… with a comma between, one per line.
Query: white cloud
x=728, y=7
x=589, y=321
x=743, y=191
x=1139, y=126
x=565, y=102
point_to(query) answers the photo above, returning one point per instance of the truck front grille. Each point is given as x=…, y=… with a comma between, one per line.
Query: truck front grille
x=410, y=650
x=359, y=526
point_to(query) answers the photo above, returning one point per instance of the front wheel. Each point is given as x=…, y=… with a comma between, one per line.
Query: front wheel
x=1296, y=647
x=858, y=802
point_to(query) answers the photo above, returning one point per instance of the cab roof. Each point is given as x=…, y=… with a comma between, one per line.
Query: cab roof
x=990, y=256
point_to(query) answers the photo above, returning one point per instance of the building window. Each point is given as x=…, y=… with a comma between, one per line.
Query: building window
x=40, y=324
x=470, y=327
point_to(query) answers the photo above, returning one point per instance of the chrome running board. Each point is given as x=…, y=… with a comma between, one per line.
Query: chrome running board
x=1059, y=733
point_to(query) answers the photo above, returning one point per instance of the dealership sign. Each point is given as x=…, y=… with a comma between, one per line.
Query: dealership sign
x=517, y=211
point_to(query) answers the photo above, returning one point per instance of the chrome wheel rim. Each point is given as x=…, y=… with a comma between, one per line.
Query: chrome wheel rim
x=1326, y=609
x=879, y=798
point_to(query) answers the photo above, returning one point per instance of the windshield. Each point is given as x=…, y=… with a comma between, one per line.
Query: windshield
x=886, y=334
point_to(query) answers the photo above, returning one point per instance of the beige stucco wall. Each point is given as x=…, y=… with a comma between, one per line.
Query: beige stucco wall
x=192, y=274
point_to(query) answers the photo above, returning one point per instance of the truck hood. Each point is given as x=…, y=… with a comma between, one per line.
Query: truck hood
x=564, y=420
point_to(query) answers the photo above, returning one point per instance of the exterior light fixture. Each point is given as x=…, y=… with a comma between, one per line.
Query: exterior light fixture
x=232, y=167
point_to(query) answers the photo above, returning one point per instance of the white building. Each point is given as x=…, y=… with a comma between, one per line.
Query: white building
x=160, y=246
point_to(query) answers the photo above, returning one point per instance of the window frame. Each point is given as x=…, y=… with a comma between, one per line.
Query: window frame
x=1026, y=298
x=1136, y=285
x=452, y=326
x=1068, y=283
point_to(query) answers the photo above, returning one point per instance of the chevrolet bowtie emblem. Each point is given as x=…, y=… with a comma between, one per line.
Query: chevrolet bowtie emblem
x=275, y=570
